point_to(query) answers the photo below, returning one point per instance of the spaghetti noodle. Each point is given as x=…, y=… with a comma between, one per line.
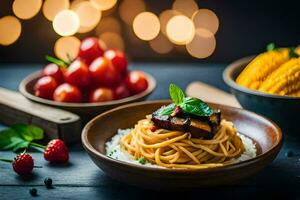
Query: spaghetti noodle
x=175, y=149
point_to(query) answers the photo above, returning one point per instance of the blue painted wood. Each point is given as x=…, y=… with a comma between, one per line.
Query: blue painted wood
x=81, y=179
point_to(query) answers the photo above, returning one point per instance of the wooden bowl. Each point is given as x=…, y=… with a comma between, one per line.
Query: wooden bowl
x=85, y=110
x=98, y=131
x=284, y=110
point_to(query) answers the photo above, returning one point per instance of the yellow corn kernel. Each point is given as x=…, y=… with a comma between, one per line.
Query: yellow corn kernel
x=261, y=66
x=284, y=80
x=295, y=94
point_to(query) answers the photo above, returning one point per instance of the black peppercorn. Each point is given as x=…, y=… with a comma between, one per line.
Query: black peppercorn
x=48, y=182
x=33, y=192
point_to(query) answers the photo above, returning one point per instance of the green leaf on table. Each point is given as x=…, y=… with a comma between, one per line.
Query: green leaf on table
x=19, y=136
x=166, y=110
x=292, y=53
x=28, y=132
x=5, y=138
x=176, y=94
x=195, y=106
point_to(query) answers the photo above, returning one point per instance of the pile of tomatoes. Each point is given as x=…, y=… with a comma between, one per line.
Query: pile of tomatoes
x=95, y=75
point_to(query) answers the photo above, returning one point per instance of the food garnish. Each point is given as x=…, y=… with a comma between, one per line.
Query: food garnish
x=187, y=114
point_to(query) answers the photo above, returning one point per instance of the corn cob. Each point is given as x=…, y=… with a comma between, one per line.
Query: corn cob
x=284, y=80
x=259, y=68
x=295, y=94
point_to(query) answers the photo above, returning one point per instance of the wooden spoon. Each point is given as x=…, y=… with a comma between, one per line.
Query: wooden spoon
x=211, y=94
x=55, y=122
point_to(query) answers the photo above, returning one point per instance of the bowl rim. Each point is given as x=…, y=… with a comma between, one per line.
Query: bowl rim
x=22, y=88
x=228, y=79
x=91, y=150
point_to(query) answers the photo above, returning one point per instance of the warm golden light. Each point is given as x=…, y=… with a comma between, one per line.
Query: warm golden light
x=89, y=16
x=207, y=19
x=164, y=17
x=108, y=24
x=128, y=9
x=146, y=26
x=104, y=4
x=52, y=7
x=161, y=44
x=10, y=30
x=202, y=45
x=67, y=48
x=66, y=23
x=26, y=9
x=75, y=3
x=112, y=40
x=180, y=29
x=185, y=7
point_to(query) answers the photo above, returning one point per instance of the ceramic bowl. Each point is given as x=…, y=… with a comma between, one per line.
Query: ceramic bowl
x=266, y=134
x=284, y=110
x=85, y=110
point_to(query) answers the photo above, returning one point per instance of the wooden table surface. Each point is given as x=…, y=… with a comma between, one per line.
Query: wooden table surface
x=81, y=179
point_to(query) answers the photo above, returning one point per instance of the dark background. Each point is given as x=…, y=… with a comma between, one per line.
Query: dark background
x=245, y=28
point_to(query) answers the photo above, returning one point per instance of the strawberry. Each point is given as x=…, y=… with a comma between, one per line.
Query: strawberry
x=23, y=164
x=56, y=151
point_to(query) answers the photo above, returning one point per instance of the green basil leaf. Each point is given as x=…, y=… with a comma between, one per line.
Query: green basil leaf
x=292, y=53
x=166, y=110
x=19, y=143
x=23, y=131
x=28, y=132
x=176, y=94
x=5, y=138
x=195, y=106
x=36, y=132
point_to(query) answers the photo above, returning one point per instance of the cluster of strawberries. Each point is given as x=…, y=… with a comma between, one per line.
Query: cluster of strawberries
x=55, y=151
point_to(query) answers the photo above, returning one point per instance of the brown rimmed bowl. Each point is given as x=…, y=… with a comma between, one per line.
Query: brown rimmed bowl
x=284, y=110
x=85, y=110
x=266, y=134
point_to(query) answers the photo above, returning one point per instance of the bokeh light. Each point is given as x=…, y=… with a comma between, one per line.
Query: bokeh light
x=67, y=48
x=129, y=9
x=52, y=7
x=180, y=29
x=146, y=26
x=112, y=40
x=203, y=44
x=185, y=7
x=164, y=17
x=75, y=3
x=26, y=9
x=66, y=23
x=89, y=16
x=161, y=44
x=108, y=24
x=104, y=4
x=11, y=34
x=207, y=19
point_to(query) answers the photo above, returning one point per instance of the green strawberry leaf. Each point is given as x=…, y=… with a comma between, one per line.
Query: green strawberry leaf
x=28, y=132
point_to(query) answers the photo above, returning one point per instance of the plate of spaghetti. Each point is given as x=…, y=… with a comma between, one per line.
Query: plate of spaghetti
x=191, y=142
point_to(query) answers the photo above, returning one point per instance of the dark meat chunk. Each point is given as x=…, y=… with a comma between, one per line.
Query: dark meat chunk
x=204, y=127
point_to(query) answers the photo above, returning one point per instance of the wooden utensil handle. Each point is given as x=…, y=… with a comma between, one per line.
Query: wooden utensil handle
x=211, y=94
x=15, y=108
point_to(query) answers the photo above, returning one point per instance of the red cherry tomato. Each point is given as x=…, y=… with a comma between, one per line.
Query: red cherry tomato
x=101, y=95
x=90, y=49
x=103, y=73
x=67, y=93
x=121, y=91
x=55, y=71
x=136, y=82
x=78, y=74
x=118, y=60
x=45, y=87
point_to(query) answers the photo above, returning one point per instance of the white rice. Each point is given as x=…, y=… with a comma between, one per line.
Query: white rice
x=114, y=151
